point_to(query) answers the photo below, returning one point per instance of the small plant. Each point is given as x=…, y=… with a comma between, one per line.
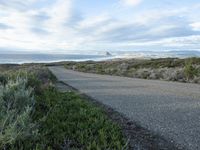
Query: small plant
x=190, y=71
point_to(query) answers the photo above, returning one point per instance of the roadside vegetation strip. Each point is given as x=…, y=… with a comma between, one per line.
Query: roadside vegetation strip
x=78, y=124
x=169, y=69
x=35, y=115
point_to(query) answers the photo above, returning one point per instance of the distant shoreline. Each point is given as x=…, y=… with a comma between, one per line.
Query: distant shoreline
x=12, y=58
x=88, y=60
x=82, y=61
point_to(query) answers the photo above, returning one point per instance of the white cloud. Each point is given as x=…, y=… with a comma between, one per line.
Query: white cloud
x=59, y=14
x=187, y=42
x=132, y=2
x=51, y=27
x=29, y=33
x=17, y=4
x=93, y=21
x=195, y=26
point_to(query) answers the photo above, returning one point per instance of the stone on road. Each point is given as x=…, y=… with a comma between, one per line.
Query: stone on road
x=169, y=109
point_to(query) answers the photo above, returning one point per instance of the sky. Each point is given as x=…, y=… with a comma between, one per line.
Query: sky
x=85, y=26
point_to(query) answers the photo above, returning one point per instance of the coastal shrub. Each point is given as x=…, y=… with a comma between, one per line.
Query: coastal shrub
x=43, y=74
x=169, y=69
x=155, y=75
x=172, y=74
x=23, y=83
x=38, y=77
x=3, y=79
x=16, y=106
x=194, y=60
x=190, y=71
x=142, y=73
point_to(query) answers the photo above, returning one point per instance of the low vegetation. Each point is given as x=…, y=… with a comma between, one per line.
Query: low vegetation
x=169, y=69
x=16, y=106
x=190, y=70
x=75, y=123
x=35, y=115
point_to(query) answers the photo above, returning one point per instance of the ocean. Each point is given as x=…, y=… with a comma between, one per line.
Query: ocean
x=47, y=58
x=20, y=58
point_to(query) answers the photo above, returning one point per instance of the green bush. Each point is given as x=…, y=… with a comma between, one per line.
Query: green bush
x=37, y=77
x=190, y=71
x=16, y=107
x=3, y=79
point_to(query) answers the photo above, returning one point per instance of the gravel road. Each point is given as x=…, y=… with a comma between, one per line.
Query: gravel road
x=169, y=109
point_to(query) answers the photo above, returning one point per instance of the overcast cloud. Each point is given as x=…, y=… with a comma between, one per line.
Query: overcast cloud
x=68, y=26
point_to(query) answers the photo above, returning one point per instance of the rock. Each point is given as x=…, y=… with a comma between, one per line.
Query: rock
x=108, y=54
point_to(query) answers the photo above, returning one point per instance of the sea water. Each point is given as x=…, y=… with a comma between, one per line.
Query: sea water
x=46, y=58
x=20, y=58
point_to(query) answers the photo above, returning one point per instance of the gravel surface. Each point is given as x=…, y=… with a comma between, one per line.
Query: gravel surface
x=169, y=109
